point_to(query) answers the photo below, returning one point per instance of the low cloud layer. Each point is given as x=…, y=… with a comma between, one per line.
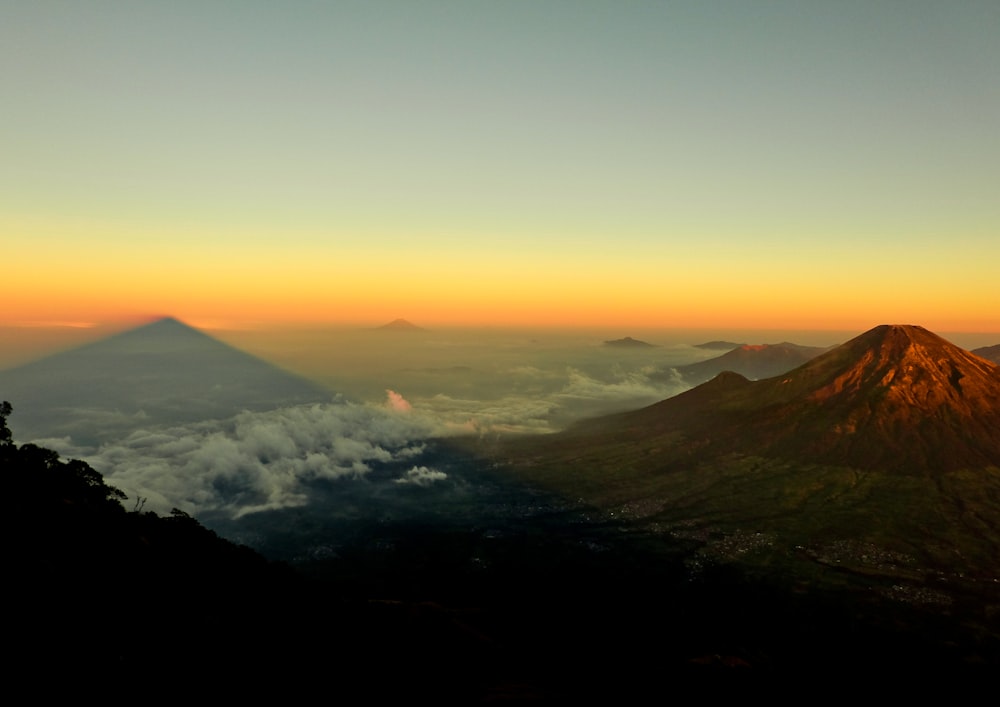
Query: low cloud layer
x=544, y=401
x=259, y=461
x=422, y=476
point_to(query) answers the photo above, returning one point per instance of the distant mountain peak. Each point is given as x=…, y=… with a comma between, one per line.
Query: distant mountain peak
x=909, y=365
x=754, y=361
x=990, y=353
x=721, y=345
x=628, y=342
x=895, y=336
x=400, y=325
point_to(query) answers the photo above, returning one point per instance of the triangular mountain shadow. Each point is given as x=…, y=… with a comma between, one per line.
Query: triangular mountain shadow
x=164, y=372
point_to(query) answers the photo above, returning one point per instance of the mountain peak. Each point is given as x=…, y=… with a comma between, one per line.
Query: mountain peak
x=628, y=342
x=896, y=397
x=896, y=335
x=909, y=365
x=170, y=321
x=400, y=325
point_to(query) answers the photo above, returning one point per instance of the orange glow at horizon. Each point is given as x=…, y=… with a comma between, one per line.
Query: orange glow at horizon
x=695, y=175
x=284, y=304
x=258, y=283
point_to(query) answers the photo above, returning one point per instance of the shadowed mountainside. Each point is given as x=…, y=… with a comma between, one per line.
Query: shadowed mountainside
x=884, y=447
x=496, y=600
x=718, y=345
x=751, y=361
x=990, y=353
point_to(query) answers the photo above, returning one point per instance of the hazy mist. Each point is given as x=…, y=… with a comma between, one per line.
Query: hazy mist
x=179, y=419
x=183, y=420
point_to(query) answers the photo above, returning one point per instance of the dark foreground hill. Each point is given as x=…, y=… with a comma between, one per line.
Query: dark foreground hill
x=96, y=594
x=655, y=561
x=548, y=605
x=108, y=603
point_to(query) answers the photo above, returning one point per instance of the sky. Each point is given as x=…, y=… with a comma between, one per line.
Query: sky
x=807, y=165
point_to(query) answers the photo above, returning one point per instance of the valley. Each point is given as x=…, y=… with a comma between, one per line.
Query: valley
x=719, y=532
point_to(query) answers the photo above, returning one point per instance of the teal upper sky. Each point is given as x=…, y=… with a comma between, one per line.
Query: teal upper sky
x=777, y=133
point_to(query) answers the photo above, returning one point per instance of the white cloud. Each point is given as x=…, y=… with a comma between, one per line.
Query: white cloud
x=258, y=461
x=397, y=402
x=269, y=460
x=535, y=401
x=422, y=476
x=515, y=414
x=626, y=385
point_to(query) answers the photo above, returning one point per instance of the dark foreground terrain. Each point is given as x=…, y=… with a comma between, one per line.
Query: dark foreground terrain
x=537, y=600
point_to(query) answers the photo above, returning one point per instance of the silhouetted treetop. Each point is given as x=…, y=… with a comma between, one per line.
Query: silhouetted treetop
x=80, y=570
x=5, y=434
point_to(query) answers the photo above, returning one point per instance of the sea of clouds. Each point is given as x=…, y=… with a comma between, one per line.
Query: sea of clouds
x=260, y=461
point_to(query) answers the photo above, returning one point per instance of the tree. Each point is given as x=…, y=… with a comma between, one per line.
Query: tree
x=5, y=434
x=42, y=479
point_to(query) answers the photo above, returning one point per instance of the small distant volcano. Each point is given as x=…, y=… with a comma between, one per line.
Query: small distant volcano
x=990, y=353
x=753, y=361
x=718, y=345
x=628, y=343
x=400, y=325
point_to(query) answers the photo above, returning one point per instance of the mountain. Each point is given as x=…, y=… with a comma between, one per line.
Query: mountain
x=990, y=353
x=886, y=446
x=400, y=325
x=720, y=345
x=752, y=361
x=629, y=343
x=164, y=372
x=897, y=397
